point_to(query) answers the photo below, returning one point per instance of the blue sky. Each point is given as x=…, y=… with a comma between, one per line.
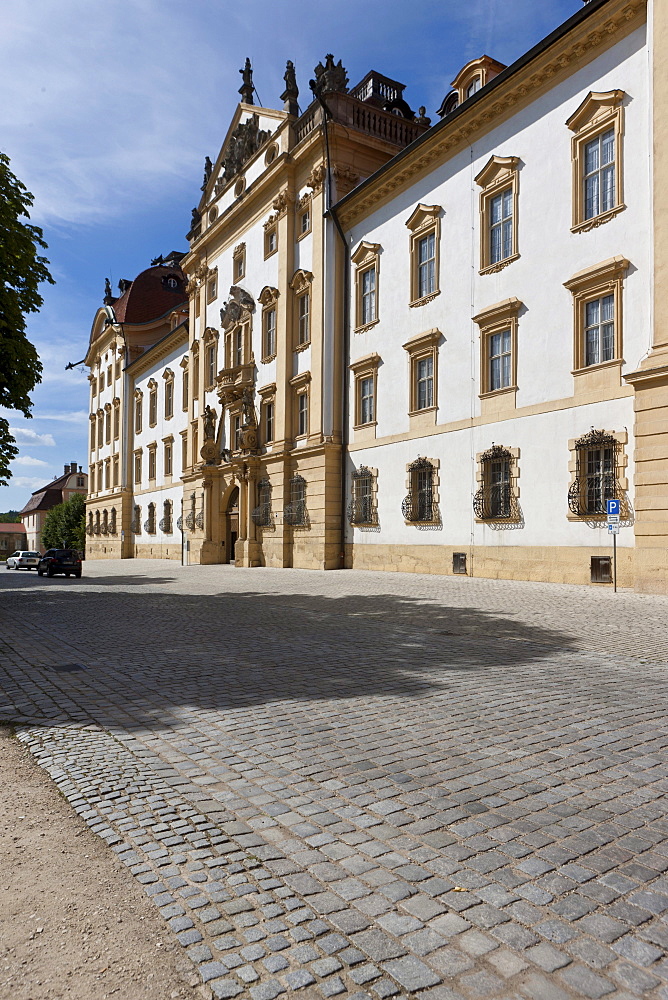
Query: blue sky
x=109, y=109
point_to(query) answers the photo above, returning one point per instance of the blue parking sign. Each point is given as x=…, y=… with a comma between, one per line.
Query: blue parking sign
x=612, y=507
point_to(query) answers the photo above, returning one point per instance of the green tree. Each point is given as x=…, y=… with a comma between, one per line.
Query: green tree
x=22, y=270
x=10, y=517
x=65, y=525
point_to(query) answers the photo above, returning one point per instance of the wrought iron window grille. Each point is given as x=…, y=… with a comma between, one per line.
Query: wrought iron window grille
x=262, y=515
x=596, y=476
x=199, y=519
x=190, y=521
x=496, y=500
x=295, y=513
x=361, y=509
x=419, y=506
x=179, y=522
x=112, y=522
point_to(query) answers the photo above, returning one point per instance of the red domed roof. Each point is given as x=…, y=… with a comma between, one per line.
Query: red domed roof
x=154, y=292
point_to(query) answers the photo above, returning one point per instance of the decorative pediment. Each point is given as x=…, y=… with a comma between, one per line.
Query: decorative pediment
x=595, y=107
x=281, y=202
x=107, y=407
x=152, y=384
x=301, y=281
x=243, y=143
x=496, y=170
x=424, y=215
x=240, y=304
x=209, y=335
x=184, y=362
x=365, y=253
x=268, y=296
x=168, y=373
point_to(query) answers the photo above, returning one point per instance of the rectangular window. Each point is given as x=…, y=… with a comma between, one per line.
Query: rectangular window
x=100, y=430
x=304, y=328
x=366, y=403
x=169, y=399
x=270, y=333
x=153, y=407
x=101, y=381
x=302, y=414
x=599, y=174
x=151, y=463
x=186, y=378
x=236, y=433
x=107, y=474
x=107, y=426
x=601, y=480
x=501, y=226
x=304, y=222
x=138, y=467
x=368, y=293
x=500, y=360
x=138, y=414
x=91, y=478
x=118, y=369
x=116, y=471
x=117, y=421
x=211, y=364
x=270, y=242
x=184, y=452
x=424, y=375
x=426, y=270
x=600, y=330
x=269, y=421
x=168, y=458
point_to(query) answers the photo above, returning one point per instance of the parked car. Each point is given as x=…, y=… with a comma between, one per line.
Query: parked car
x=65, y=561
x=23, y=560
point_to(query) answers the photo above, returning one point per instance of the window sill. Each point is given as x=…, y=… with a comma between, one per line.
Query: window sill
x=599, y=220
x=366, y=326
x=600, y=365
x=425, y=409
x=499, y=265
x=415, y=303
x=497, y=392
x=364, y=427
x=302, y=235
x=271, y=253
x=302, y=347
x=268, y=359
x=422, y=524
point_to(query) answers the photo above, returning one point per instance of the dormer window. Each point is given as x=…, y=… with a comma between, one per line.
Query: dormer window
x=473, y=87
x=172, y=282
x=470, y=79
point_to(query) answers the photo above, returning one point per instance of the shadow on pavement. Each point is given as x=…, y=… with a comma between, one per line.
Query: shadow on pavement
x=146, y=655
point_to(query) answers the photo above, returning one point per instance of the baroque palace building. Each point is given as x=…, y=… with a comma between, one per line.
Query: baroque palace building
x=396, y=345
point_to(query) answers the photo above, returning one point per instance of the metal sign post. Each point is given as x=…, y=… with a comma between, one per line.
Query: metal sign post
x=613, y=516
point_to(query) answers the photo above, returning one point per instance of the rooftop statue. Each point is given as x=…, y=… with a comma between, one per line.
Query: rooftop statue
x=246, y=88
x=208, y=170
x=330, y=78
x=291, y=92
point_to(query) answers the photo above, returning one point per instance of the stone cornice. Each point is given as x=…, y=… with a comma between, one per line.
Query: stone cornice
x=507, y=93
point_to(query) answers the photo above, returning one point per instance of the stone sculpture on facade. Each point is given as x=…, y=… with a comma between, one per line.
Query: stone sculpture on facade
x=246, y=88
x=208, y=170
x=244, y=142
x=233, y=309
x=291, y=92
x=330, y=78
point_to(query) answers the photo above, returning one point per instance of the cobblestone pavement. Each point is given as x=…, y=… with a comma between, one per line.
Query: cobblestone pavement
x=364, y=785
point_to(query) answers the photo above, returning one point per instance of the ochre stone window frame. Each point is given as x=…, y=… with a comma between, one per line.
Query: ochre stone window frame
x=168, y=456
x=139, y=411
x=366, y=258
x=363, y=368
x=592, y=440
x=185, y=383
x=483, y=496
x=301, y=285
x=210, y=346
x=238, y=263
x=495, y=319
x=424, y=221
x=152, y=402
x=268, y=298
x=304, y=214
x=413, y=470
x=152, y=464
x=238, y=344
x=117, y=417
x=107, y=423
x=301, y=387
x=168, y=390
x=270, y=229
x=362, y=508
x=599, y=112
x=499, y=174
x=418, y=348
x=137, y=466
x=595, y=282
x=267, y=396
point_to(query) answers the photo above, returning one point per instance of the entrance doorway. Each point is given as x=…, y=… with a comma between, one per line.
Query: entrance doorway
x=232, y=518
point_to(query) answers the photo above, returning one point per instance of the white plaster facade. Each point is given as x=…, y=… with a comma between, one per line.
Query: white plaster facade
x=551, y=405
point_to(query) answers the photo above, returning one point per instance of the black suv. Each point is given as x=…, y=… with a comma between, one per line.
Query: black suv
x=54, y=561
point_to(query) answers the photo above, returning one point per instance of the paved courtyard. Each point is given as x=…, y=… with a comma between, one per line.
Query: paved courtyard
x=363, y=785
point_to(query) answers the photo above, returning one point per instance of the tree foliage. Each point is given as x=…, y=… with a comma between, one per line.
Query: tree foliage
x=65, y=525
x=10, y=517
x=22, y=269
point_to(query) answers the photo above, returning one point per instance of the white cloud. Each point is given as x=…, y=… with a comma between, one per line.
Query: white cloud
x=24, y=435
x=29, y=460
x=27, y=482
x=72, y=417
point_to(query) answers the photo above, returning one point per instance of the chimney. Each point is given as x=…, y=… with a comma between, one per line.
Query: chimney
x=73, y=467
x=67, y=469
